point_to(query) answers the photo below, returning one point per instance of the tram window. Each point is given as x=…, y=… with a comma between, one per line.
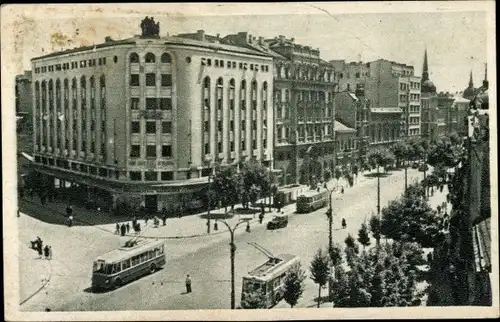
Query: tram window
x=125, y=264
x=135, y=260
x=99, y=267
x=115, y=268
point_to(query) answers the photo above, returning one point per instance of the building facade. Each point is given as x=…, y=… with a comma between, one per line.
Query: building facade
x=346, y=145
x=304, y=111
x=24, y=100
x=353, y=111
x=393, y=92
x=144, y=120
x=459, y=113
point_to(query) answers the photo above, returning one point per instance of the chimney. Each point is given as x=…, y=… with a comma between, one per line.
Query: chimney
x=261, y=41
x=250, y=39
x=282, y=38
x=292, y=40
x=200, y=35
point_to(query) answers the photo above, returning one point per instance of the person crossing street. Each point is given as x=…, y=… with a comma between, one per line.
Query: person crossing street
x=188, y=284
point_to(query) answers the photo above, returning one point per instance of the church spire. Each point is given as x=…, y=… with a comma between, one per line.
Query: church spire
x=471, y=83
x=486, y=71
x=425, y=69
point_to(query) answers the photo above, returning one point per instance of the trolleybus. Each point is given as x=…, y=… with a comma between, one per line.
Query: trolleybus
x=268, y=279
x=135, y=259
x=312, y=200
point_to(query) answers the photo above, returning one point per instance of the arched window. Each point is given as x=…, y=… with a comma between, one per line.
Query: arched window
x=254, y=90
x=166, y=58
x=264, y=91
x=206, y=83
x=150, y=58
x=231, y=83
x=134, y=58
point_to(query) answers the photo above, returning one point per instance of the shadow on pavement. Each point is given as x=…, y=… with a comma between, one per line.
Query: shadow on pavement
x=101, y=291
x=374, y=175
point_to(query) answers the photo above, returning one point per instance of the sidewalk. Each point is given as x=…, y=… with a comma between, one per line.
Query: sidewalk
x=36, y=273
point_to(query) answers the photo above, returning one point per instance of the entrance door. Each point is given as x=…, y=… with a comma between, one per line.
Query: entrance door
x=151, y=202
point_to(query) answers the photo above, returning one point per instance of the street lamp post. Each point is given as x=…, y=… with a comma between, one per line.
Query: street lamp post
x=209, y=203
x=233, y=253
x=329, y=214
x=378, y=189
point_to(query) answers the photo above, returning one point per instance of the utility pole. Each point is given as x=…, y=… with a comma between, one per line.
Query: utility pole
x=378, y=189
x=329, y=215
x=233, y=254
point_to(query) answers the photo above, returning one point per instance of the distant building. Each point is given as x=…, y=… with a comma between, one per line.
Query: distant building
x=445, y=114
x=470, y=91
x=393, y=92
x=24, y=100
x=303, y=90
x=459, y=113
x=345, y=145
x=143, y=121
x=353, y=111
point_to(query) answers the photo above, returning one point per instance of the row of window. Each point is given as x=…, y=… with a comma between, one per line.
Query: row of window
x=150, y=78
x=166, y=151
x=80, y=167
x=232, y=146
x=414, y=120
x=150, y=58
x=415, y=97
x=305, y=73
x=162, y=103
x=233, y=64
x=307, y=96
x=166, y=127
x=356, y=75
x=414, y=108
x=74, y=65
x=151, y=175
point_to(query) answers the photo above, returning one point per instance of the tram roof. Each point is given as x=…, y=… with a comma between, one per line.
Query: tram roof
x=272, y=265
x=127, y=252
x=310, y=193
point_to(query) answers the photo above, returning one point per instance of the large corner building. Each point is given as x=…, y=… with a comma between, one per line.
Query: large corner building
x=144, y=120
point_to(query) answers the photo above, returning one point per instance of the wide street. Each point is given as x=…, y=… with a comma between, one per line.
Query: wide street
x=206, y=259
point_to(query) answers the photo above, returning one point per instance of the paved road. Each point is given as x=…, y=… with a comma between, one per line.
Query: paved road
x=209, y=266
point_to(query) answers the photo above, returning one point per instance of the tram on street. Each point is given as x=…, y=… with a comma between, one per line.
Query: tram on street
x=136, y=258
x=312, y=200
x=268, y=279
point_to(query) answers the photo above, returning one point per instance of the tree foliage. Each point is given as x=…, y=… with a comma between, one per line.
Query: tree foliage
x=375, y=228
x=363, y=236
x=380, y=158
x=350, y=242
x=410, y=219
x=320, y=270
x=227, y=186
x=294, y=286
x=335, y=254
x=378, y=278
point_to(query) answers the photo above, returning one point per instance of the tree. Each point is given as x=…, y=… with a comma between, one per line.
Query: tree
x=254, y=300
x=410, y=219
x=351, y=243
x=294, y=286
x=400, y=151
x=320, y=271
x=363, y=237
x=377, y=278
x=227, y=185
x=256, y=181
x=335, y=254
x=375, y=228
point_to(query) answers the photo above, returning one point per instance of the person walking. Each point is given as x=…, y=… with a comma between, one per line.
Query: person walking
x=50, y=252
x=46, y=251
x=127, y=227
x=70, y=221
x=344, y=223
x=342, y=190
x=40, y=250
x=188, y=284
x=117, y=231
x=123, y=229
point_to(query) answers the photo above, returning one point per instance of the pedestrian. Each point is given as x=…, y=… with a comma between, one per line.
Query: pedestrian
x=50, y=252
x=188, y=284
x=127, y=227
x=40, y=250
x=261, y=218
x=70, y=221
x=344, y=223
x=438, y=209
x=69, y=210
x=123, y=229
x=146, y=220
x=46, y=251
x=342, y=190
x=248, y=227
x=117, y=231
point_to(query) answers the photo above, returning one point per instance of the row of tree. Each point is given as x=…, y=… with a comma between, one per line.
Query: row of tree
x=231, y=187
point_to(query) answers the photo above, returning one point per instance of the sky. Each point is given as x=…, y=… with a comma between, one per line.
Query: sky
x=456, y=40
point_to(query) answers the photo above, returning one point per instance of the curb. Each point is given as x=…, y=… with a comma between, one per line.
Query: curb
x=130, y=235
